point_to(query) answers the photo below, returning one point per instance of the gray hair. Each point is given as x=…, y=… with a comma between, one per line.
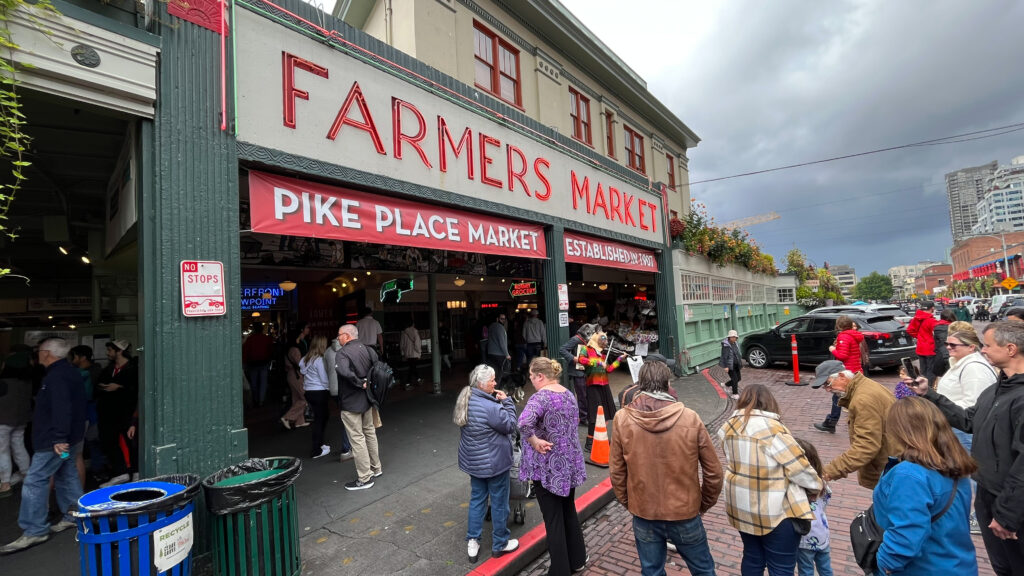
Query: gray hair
x=1007, y=332
x=57, y=346
x=848, y=374
x=460, y=415
x=350, y=329
x=480, y=375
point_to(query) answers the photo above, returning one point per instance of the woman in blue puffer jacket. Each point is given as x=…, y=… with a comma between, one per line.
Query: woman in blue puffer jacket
x=488, y=421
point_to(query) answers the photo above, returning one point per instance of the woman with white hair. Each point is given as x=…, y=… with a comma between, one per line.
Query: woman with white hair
x=487, y=418
x=732, y=361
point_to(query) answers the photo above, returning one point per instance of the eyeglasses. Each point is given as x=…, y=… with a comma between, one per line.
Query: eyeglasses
x=954, y=345
x=828, y=382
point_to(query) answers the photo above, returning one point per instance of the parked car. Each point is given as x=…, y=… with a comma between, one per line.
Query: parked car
x=815, y=331
x=898, y=313
x=1012, y=301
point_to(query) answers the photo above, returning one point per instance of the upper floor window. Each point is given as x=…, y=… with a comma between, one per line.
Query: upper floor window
x=609, y=131
x=579, y=111
x=634, y=150
x=671, y=171
x=497, y=65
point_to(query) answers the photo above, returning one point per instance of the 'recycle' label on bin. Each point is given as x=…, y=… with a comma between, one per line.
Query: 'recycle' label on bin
x=171, y=544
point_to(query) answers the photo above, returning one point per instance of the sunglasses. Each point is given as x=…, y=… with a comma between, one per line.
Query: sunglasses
x=954, y=345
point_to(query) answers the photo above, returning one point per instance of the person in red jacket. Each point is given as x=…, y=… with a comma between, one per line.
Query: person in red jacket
x=922, y=327
x=846, y=349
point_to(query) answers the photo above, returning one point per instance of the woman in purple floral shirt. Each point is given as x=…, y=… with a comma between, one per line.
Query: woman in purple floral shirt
x=553, y=460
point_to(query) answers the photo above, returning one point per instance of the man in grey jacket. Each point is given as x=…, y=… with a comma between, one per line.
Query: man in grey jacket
x=331, y=364
x=497, y=346
x=353, y=364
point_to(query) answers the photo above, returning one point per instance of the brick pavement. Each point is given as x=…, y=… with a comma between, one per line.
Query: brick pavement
x=609, y=533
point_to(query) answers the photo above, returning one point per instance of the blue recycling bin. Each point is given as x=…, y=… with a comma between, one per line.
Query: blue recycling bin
x=139, y=529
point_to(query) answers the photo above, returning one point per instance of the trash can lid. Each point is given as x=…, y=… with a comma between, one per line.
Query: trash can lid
x=128, y=496
x=248, y=477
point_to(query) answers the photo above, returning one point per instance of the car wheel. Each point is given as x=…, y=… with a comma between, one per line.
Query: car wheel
x=758, y=357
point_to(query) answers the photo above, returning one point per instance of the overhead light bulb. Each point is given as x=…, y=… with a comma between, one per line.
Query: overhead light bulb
x=63, y=250
x=354, y=279
x=287, y=285
x=72, y=326
x=458, y=281
x=481, y=278
x=368, y=272
x=333, y=289
x=602, y=287
x=85, y=259
x=255, y=314
x=344, y=285
x=49, y=317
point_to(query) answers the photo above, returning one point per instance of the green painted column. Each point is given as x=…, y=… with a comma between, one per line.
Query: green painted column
x=669, y=331
x=554, y=274
x=191, y=368
x=435, y=341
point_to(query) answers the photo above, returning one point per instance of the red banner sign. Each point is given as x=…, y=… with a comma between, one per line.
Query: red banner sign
x=279, y=205
x=589, y=250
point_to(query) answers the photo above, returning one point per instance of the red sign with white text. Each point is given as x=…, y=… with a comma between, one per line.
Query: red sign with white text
x=589, y=250
x=280, y=205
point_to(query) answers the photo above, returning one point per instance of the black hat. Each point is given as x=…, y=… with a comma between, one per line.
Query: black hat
x=926, y=305
x=655, y=357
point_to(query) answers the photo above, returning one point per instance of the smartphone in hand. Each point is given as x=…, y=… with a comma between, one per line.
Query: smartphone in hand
x=909, y=369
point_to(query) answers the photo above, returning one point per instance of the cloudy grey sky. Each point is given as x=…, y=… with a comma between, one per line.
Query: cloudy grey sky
x=772, y=83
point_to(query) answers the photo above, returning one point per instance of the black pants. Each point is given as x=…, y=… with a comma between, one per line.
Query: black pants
x=734, y=378
x=599, y=396
x=565, y=537
x=113, y=428
x=1006, y=556
x=927, y=366
x=496, y=362
x=412, y=374
x=318, y=402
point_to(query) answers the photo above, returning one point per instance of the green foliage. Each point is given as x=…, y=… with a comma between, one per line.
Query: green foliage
x=699, y=235
x=796, y=263
x=874, y=286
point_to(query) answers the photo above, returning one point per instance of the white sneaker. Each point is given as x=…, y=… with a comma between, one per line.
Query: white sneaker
x=671, y=547
x=734, y=396
x=115, y=481
x=346, y=456
x=511, y=546
x=287, y=425
x=473, y=550
x=324, y=451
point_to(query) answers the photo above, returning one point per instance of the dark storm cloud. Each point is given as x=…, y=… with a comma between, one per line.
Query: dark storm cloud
x=776, y=83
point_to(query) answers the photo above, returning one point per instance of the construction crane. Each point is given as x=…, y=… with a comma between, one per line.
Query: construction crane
x=751, y=220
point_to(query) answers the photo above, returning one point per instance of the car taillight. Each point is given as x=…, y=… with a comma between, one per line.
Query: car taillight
x=877, y=335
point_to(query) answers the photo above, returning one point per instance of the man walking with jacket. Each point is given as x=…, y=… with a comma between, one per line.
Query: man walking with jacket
x=353, y=362
x=655, y=450
x=922, y=327
x=58, y=426
x=997, y=422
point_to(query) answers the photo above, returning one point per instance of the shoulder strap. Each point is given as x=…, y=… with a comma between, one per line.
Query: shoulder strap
x=952, y=496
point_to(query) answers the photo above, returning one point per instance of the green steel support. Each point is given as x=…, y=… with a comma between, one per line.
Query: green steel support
x=665, y=291
x=435, y=343
x=554, y=274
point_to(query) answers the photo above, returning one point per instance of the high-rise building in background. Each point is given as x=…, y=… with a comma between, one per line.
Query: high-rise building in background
x=965, y=189
x=846, y=276
x=1002, y=205
x=903, y=277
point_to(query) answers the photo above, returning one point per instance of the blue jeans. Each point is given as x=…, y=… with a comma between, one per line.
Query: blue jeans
x=497, y=488
x=837, y=412
x=776, y=550
x=967, y=441
x=807, y=559
x=35, y=490
x=689, y=537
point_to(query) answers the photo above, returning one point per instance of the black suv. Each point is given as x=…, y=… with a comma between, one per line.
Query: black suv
x=815, y=331
x=1013, y=301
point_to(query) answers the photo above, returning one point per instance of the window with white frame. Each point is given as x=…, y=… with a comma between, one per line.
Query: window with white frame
x=786, y=294
x=696, y=288
x=743, y=291
x=722, y=290
x=771, y=295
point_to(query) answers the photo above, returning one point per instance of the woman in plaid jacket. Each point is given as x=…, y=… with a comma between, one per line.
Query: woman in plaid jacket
x=767, y=480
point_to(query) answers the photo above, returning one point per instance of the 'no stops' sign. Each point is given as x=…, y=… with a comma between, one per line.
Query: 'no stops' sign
x=202, y=288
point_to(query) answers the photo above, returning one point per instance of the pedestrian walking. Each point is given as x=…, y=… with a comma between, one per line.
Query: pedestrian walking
x=848, y=350
x=412, y=347
x=353, y=365
x=316, y=385
x=58, y=426
x=597, y=365
x=655, y=453
x=922, y=327
x=487, y=421
x=117, y=396
x=997, y=423
x=297, y=347
x=497, y=347
x=925, y=528
x=571, y=351
x=815, y=546
x=15, y=413
x=257, y=352
x=767, y=477
x=535, y=335
x=731, y=360
x=552, y=459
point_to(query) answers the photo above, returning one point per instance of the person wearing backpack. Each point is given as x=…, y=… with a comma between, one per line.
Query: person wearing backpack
x=939, y=333
x=353, y=363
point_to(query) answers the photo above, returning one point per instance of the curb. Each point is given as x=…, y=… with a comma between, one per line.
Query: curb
x=534, y=543
x=714, y=383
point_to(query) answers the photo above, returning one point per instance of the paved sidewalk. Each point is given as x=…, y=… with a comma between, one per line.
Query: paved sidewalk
x=609, y=533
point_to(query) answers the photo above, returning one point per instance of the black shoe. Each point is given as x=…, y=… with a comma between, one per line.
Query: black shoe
x=357, y=485
x=825, y=428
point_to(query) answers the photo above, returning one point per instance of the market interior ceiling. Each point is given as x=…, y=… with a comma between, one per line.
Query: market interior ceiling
x=73, y=151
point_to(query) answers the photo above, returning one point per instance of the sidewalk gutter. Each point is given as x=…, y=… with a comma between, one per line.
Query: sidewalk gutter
x=535, y=542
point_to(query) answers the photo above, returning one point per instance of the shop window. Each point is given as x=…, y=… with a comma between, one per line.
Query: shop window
x=634, y=150
x=609, y=133
x=696, y=288
x=497, y=65
x=579, y=111
x=671, y=171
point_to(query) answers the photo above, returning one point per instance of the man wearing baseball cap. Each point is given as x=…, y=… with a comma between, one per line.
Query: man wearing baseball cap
x=868, y=404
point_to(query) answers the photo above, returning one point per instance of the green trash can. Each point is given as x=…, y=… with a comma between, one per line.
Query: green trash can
x=254, y=517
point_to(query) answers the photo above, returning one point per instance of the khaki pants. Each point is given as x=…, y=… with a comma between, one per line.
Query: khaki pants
x=363, y=437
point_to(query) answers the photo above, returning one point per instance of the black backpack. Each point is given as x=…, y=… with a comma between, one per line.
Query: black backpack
x=940, y=333
x=379, y=380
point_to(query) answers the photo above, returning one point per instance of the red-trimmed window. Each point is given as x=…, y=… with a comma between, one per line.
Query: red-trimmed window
x=579, y=111
x=671, y=171
x=497, y=65
x=609, y=131
x=634, y=150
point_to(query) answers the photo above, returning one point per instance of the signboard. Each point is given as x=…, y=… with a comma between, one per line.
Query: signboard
x=279, y=205
x=563, y=319
x=171, y=544
x=392, y=290
x=258, y=297
x=202, y=288
x=563, y=297
x=583, y=249
x=522, y=289
x=1009, y=283
x=302, y=96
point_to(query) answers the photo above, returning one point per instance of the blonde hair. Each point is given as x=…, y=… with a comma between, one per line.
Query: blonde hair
x=316, y=349
x=969, y=337
x=547, y=368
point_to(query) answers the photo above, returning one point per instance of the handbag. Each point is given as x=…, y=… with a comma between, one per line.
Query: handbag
x=866, y=535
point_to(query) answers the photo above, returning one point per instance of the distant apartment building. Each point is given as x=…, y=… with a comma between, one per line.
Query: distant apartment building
x=902, y=277
x=934, y=280
x=846, y=276
x=1002, y=205
x=965, y=189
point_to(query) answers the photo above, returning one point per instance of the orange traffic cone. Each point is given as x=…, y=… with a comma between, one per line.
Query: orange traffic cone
x=599, y=450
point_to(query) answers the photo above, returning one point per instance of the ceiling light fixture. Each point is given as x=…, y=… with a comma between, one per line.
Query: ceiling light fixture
x=344, y=285
x=602, y=287
x=458, y=281
x=368, y=272
x=287, y=285
x=63, y=250
x=85, y=259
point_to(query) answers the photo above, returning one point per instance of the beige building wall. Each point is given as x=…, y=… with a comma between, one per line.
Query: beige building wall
x=440, y=33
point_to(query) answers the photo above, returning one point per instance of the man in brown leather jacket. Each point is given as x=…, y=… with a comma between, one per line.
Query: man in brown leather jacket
x=655, y=450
